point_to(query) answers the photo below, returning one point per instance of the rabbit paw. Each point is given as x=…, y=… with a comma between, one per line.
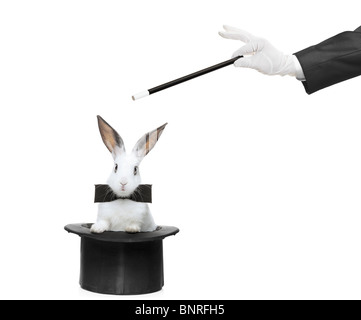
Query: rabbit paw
x=133, y=228
x=98, y=227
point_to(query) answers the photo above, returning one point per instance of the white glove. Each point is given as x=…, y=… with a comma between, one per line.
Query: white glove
x=262, y=55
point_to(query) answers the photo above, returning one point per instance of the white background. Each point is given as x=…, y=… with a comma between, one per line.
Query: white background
x=263, y=180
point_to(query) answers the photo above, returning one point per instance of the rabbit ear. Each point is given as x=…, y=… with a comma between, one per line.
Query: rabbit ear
x=111, y=138
x=147, y=142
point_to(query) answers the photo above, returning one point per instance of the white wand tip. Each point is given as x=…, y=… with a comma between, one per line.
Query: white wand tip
x=140, y=95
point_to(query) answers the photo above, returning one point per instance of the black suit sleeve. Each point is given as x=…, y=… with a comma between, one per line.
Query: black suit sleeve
x=331, y=61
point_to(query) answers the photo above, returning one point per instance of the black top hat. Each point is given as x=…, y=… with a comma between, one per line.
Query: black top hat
x=120, y=262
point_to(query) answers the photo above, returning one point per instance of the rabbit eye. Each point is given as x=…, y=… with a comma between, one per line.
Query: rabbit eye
x=135, y=171
x=116, y=167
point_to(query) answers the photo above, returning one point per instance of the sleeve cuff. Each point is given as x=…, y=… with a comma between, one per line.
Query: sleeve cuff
x=299, y=72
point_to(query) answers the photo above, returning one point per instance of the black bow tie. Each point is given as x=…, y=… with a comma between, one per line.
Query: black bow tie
x=104, y=193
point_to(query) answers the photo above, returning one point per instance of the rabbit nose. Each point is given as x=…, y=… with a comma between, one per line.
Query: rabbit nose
x=123, y=183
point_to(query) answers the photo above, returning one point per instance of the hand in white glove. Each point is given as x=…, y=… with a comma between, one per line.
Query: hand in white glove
x=262, y=55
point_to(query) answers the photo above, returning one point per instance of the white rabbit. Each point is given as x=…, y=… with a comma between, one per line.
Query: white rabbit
x=124, y=214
